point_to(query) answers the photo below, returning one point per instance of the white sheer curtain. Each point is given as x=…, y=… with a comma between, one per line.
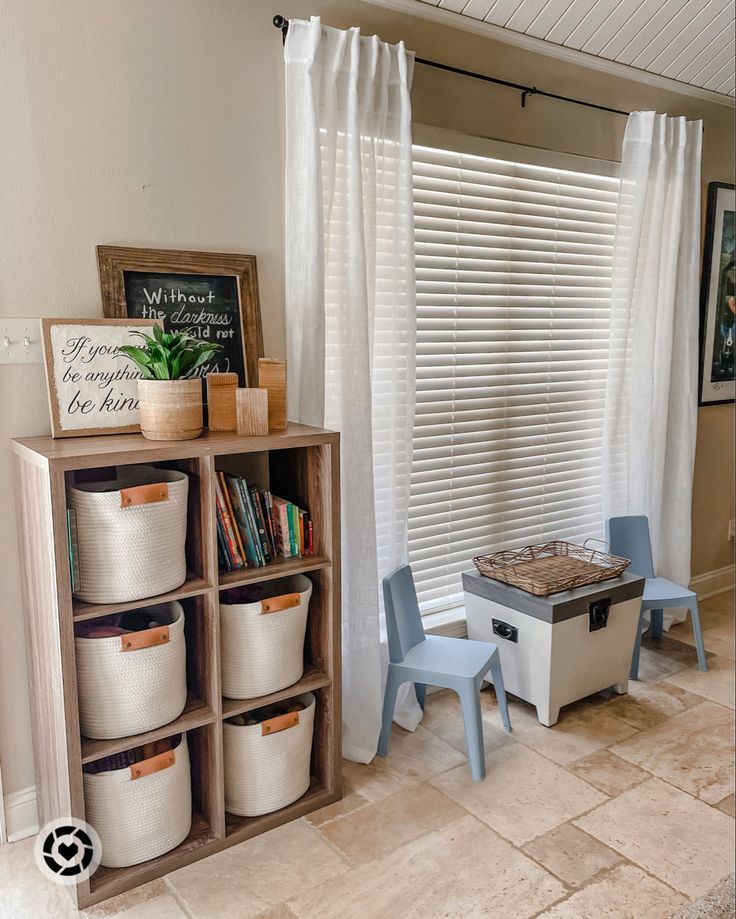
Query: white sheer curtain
x=651, y=393
x=351, y=316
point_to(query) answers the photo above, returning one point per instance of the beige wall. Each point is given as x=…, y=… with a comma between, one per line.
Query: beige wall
x=159, y=122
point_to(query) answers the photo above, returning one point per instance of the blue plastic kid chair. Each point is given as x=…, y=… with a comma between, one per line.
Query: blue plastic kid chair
x=629, y=538
x=454, y=663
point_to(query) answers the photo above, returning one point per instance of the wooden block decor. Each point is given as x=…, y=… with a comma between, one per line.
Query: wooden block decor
x=301, y=463
x=272, y=377
x=252, y=407
x=221, y=405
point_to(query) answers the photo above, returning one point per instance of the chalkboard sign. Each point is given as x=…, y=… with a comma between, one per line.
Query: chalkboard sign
x=214, y=294
x=208, y=305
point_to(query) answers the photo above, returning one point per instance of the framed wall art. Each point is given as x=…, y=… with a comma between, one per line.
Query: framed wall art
x=92, y=388
x=718, y=298
x=215, y=294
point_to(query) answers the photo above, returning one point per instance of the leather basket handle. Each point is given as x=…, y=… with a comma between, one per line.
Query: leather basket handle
x=279, y=723
x=146, y=638
x=276, y=604
x=153, y=764
x=144, y=494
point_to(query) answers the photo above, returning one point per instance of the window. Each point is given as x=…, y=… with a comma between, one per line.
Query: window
x=513, y=266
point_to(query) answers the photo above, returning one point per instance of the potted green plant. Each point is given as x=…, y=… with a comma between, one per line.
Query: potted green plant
x=169, y=398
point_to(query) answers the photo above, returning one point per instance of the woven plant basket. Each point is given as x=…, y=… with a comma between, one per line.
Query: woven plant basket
x=134, y=682
x=262, y=639
x=170, y=409
x=267, y=764
x=130, y=534
x=141, y=818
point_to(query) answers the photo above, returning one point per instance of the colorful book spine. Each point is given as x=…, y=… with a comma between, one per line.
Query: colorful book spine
x=222, y=552
x=281, y=526
x=233, y=519
x=310, y=538
x=268, y=514
x=252, y=524
x=71, y=523
x=228, y=523
x=221, y=530
x=241, y=518
x=294, y=529
x=260, y=523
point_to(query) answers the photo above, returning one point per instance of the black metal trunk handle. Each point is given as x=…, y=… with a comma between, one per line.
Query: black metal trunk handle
x=505, y=630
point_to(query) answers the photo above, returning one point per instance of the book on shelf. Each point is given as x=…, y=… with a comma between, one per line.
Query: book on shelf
x=71, y=531
x=260, y=524
x=243, y=519
x=255, y=527
x=224, y=511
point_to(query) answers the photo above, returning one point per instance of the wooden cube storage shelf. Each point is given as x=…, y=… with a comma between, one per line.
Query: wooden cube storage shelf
x=302, y=463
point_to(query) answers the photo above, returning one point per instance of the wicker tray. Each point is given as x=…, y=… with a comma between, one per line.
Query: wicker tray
x=548, y=569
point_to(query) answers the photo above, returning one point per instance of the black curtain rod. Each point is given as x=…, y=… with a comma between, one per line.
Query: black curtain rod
x=282, y=23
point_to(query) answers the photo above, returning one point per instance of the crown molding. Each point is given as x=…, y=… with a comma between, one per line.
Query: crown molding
x=560, y=52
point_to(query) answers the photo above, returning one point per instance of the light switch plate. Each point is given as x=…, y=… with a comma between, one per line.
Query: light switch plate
x=20, y=341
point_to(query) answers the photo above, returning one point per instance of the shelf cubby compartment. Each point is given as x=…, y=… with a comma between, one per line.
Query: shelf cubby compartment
x=202, y=688
x=207, y=820
x=300, y=464
x=197, y=545
x=322, y=765
x=299, y=475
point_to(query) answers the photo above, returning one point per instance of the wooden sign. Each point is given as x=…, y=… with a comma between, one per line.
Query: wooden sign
x=213, y=294
x=92, y=388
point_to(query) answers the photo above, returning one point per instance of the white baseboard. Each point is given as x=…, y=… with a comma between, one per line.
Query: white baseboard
x=711, y=583
x=3, y=831
x=21, y=813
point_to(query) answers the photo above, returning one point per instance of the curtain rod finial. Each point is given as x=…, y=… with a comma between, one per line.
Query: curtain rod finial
x=281, y=22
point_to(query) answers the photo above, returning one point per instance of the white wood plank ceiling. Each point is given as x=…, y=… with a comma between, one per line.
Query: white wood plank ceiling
x=691, y=41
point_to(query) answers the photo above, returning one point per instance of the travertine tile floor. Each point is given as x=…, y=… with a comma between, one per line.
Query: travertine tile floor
x=624, y=810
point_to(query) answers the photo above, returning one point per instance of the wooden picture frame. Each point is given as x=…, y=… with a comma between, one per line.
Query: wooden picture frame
x=718, y=298
x=83, y=382
x=125, y=273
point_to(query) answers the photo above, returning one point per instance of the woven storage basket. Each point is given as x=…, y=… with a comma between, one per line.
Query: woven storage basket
x=135, y=682
x=267, y=764
x=140, y=818
x=550, y=568
x=262, y=639
x=130, y=534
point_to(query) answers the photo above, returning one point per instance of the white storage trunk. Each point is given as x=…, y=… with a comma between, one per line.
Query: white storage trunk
x=132, y=683
x=130, y=534
x=262, y=640
x=143, y=810
x=557, y=649
x=267, y=764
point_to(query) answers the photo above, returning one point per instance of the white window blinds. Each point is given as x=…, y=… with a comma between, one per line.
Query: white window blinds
x=513, y=268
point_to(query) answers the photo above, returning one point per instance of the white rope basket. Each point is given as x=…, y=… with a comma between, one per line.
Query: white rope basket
x=134, y=682
x=262, y=641
x=141, y=818
x=130, y=534
x=267, y=764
